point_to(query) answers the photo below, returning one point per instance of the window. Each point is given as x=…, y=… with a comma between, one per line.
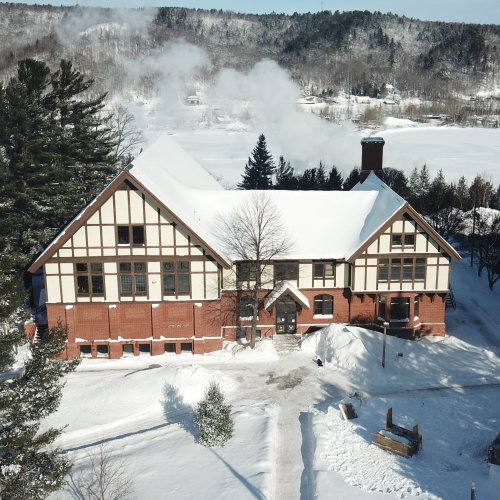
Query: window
x=403, y=241
x=127, y=235
x=132, y=278
x=169, y=348
x=400, y=309
x=89, y=279
x=416, y=307
x=419, y=269
x=323, y=305
x=128, y=349
x=85, y=351
x=383, y=270
x=396, y=270
x=246, y=271
x=245, y=308
x=186, y=347
x=102, y=351
x=382, y=307
x=286, y=271
x=144, y=349
x=323, y=270
x=176, y=280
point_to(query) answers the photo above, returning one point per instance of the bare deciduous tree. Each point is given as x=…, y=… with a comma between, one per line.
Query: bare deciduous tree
x=253, y=235
x=106, y=479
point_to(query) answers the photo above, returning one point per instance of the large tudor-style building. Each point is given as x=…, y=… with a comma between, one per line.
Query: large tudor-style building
x=142, y=270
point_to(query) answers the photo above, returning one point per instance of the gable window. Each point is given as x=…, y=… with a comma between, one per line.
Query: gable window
x=130, y=235
x=132, y=278
x=323, y=270
x=403, y=241
x=323, y=305
x=89, y=279
x=245, y=308
x=176, y=278
x=246, y=271
x=383, y=270
x=286, y=271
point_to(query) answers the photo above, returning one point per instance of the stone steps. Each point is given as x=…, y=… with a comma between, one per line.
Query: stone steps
x=284, y=342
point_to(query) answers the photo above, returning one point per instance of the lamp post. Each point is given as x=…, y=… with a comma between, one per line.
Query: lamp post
x=386, y=324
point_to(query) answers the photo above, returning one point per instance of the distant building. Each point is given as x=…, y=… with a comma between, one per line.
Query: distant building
x=141, y=270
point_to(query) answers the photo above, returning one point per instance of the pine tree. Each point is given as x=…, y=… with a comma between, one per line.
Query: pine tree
x=29, y=468
x=285, y=178
x=335, y=179
x=259, y=168
x=213, y=417
x=56, y=151
x=351, y=180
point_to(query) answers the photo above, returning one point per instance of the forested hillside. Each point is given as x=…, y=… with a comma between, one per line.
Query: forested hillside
x=425, y=59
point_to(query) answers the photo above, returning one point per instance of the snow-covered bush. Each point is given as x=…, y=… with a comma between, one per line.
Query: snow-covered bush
x=213, y=417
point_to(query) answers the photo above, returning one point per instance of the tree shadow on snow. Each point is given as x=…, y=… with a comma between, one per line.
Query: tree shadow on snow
x=176, y=411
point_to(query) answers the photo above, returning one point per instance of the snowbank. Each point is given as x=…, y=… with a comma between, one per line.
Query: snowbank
x=391, y=122
x=431, y=361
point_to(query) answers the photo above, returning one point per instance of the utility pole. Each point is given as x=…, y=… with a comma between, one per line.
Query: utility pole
x=349, y=77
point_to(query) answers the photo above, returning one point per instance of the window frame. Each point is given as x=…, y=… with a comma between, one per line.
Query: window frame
x=246, y=271
x=402, y=306
x=134, y=273
x=322, y=301
x=245, y=303
x=176, y=273
x=129, y=232
x=396, y=269
x=321, y=266
x=406, y=241
x=287, y=267
x=90, y=274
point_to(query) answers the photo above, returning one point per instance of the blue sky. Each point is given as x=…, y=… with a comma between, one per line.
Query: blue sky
x=472, y=11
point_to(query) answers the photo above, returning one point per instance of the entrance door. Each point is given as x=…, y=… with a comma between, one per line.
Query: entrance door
x=286, y=315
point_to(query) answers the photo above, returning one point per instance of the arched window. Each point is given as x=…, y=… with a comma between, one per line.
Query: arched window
x=323, y=305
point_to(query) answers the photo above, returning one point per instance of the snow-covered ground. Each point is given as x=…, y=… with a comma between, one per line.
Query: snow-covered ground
x=290, y=441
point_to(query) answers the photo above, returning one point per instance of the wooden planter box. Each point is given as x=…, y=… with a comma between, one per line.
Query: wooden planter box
x=398, y=440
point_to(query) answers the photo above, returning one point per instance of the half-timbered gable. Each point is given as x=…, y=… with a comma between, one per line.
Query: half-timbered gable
x=143, y=269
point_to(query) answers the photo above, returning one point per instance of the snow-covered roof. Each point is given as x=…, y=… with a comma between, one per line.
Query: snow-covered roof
x=321, y=224
x=286, y=287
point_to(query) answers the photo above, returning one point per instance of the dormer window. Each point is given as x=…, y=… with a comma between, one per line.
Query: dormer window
x=130, y=235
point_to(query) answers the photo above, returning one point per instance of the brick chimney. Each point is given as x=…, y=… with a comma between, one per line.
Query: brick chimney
x=371, y=157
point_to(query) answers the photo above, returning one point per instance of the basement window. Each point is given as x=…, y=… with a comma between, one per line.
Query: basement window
x=144, y=349
x=128, y=349
x=85, y=351
x=169, y=348
x=102, y=351
x=186, y=347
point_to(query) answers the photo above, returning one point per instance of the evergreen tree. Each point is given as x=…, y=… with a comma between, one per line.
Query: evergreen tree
x=352, y=179
x=56, y=151
x=259, y=168
x=463, y=196
x=213, y=417
x=335, y=180
x=321, y=177
x=29, y=468
x=285, y=179
x=397, y=181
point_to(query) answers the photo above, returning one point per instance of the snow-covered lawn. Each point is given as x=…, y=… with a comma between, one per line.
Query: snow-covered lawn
x=290, y=441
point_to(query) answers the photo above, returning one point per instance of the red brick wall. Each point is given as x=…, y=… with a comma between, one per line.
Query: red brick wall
x=432, y=315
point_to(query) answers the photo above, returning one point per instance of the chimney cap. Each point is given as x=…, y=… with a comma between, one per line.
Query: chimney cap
x=373, y=140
